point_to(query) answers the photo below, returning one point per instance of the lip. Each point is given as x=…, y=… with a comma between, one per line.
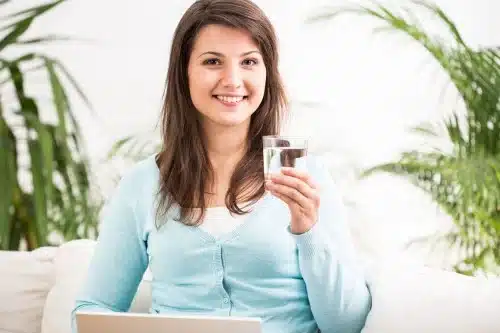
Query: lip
x=231, y=95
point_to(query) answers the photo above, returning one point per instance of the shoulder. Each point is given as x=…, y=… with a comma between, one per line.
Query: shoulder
x=140, y=180
x=319, y=171
x=317, y=168
x=142, y=170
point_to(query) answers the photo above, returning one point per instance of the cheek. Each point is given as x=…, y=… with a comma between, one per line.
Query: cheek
x=201, y=84
x=259, y=85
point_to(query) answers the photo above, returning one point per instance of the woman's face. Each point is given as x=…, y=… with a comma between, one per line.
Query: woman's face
x=227, y=76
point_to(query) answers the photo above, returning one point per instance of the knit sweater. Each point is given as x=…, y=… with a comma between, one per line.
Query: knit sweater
x=295, y=283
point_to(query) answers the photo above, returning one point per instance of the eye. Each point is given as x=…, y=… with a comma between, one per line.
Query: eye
x=211, y=61
x=250, y=62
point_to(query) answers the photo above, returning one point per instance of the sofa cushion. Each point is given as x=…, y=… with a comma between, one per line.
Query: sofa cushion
x=413, y=299
x=406, y=298
x=26, y=278
x=71, y=264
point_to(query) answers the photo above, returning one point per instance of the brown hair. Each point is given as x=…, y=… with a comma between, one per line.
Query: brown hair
x=183, y=162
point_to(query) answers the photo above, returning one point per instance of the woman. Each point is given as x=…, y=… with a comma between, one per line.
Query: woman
x=198, y=213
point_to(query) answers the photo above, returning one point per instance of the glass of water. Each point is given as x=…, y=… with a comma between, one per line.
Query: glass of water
x=283, y=151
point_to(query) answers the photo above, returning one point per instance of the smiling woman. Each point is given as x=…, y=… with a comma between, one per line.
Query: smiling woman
x=197, y=213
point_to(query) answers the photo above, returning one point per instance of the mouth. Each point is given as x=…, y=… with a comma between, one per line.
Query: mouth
x=230, y=100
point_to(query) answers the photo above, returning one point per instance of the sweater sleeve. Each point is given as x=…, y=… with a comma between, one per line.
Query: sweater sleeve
x=338, y=294
x=119, y=259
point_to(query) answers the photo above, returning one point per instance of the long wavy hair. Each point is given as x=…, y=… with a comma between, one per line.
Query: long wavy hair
x=183, y=161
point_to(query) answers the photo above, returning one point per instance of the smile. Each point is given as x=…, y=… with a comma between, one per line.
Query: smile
x=230, y=100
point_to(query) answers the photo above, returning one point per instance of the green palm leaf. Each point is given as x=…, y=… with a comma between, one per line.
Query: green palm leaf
x=8, y=180
x=57, y=200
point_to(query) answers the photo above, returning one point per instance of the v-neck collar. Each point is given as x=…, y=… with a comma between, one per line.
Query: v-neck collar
x=256, y=211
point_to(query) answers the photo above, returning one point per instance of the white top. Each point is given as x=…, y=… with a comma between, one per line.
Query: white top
x=219, y=220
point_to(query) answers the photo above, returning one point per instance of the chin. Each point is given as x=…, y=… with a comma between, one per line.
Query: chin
x=230, y=119
x=231, y=122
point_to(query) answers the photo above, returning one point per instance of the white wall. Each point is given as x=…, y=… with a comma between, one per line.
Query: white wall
x=371, y=89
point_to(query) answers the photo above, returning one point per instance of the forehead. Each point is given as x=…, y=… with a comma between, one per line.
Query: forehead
x=224, y=39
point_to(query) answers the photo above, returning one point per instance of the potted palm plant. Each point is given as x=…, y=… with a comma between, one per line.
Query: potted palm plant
x=464, y=182
x=43, y=166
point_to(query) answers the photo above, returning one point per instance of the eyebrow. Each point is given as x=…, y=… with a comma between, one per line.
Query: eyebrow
x=218, y=54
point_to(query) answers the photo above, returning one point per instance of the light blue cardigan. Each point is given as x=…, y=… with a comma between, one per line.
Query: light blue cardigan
x=294, y=283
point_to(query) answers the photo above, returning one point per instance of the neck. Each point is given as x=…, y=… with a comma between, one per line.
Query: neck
x=225, y=148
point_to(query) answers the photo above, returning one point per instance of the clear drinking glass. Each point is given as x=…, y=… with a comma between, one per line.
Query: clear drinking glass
x=283, y=151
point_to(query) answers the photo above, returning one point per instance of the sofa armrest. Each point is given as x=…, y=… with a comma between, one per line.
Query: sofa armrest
x=414, y=299
x=26, y=278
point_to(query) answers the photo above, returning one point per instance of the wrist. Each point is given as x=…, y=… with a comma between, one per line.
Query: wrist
x=300, y=227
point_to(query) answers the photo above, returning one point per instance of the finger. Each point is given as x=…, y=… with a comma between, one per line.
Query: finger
x=302, y=175
x=292, y=194
x=283, y=198
x=297, y=184
x=287, y=200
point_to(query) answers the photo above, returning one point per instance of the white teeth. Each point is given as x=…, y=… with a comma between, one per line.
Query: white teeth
x=230, y=99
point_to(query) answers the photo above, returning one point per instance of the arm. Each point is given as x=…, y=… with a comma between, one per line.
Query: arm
x=339, y=297
x=119, y=258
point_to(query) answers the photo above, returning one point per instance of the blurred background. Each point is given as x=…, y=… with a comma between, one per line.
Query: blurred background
x=81, y=84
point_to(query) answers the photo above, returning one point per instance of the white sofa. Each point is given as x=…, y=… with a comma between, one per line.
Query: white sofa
x=38, y=289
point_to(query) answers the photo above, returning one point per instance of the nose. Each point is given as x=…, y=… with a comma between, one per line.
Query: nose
x=232, y=76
